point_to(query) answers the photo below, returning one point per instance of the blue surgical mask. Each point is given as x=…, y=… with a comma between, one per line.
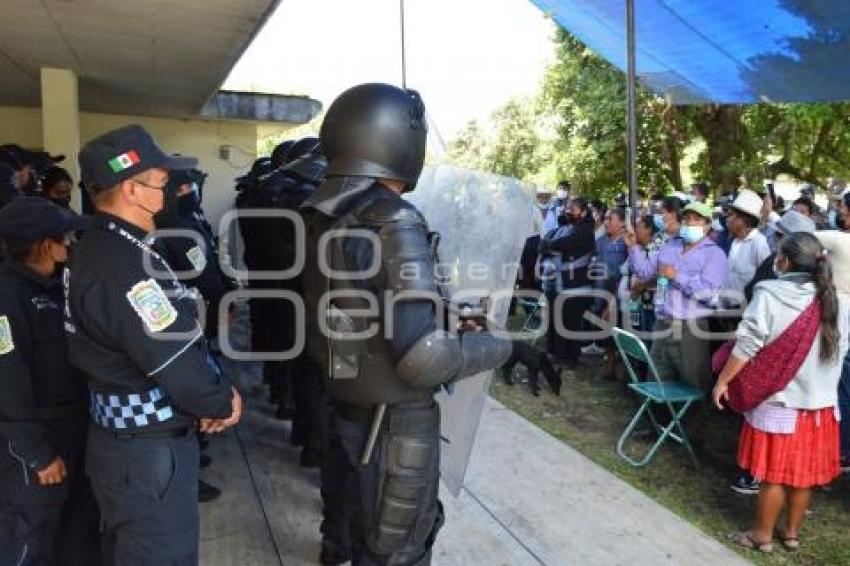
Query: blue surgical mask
x=658, y=220
x=716, y=225
x=692, y=234
x=832, y=218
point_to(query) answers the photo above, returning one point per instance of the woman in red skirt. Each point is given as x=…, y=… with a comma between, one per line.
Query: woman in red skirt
x=790, y=442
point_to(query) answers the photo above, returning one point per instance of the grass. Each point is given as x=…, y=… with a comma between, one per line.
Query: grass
x=592, y=412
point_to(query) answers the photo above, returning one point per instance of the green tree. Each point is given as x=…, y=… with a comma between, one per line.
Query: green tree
x=586, y=95
x=576, y=129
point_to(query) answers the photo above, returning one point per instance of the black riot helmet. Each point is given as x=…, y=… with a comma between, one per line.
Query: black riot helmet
x=302, y=147
x=278, y=156
x=376, y=130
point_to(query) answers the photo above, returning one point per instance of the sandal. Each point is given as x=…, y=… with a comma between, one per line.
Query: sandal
x=747, y=540
x=790, y=543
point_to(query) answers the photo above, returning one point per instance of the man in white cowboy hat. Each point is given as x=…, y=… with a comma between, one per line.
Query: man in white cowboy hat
x=544, y=195
x=749, y=248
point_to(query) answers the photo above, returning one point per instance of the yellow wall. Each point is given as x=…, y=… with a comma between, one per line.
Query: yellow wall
x=21, y=126
x=199, y=138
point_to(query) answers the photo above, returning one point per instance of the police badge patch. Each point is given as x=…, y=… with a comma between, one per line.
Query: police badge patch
x=6, y=342
x=197, y=258
x=153, y=307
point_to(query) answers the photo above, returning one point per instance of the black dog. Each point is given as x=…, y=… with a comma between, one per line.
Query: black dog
x=536, y=362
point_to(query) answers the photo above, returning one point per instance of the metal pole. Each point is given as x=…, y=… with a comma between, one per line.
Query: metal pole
x=403, y=53
x=631, y=104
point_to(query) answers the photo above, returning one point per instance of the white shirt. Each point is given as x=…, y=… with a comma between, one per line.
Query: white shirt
x=776, y=304
x=536, y=221
x=745, y=257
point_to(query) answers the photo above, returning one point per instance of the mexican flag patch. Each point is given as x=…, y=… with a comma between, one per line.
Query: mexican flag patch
x=124, y=161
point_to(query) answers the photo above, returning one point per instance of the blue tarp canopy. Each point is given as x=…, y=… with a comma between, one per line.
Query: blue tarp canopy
x=731, y=51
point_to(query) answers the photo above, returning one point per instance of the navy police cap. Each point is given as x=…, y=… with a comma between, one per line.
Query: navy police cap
x=123, y=153
x=30, y=219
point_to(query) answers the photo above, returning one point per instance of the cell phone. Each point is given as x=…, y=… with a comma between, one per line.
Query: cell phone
x=772, y=192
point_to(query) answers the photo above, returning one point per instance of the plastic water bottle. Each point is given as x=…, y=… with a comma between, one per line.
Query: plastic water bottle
x=634, y=314
x=661, y=293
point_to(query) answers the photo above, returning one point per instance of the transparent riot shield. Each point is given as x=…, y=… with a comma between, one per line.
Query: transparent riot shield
x=483, y=221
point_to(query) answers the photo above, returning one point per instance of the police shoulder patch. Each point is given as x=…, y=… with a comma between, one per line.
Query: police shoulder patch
x=7, y=345
x=152, y=305
x=197, y=258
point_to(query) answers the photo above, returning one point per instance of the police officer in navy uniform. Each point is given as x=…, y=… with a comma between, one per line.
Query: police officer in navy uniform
x=47, y=511
x=185, y=241
x=380, y=491
x=133, y=331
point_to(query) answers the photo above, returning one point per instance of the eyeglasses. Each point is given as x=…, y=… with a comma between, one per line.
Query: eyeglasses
x=161, y=188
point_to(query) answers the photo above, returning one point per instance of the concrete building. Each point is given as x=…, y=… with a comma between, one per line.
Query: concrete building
x=70, y=71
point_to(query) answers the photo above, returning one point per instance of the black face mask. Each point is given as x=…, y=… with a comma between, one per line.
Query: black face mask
x=188, y=204
x=58, y=270
x=61, y=202
x=32, y=186
x=169, y=206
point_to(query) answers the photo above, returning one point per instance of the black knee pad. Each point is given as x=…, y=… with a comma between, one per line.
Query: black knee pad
x=406, y=510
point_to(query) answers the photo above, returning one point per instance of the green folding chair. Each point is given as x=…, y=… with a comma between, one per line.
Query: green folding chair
x=531, y=307
x=675, y=395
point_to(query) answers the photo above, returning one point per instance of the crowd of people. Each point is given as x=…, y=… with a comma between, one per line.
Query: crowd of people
x=686, y=276
x=113, y=376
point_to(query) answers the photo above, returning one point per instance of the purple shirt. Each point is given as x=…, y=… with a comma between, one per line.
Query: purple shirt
x=701, y=273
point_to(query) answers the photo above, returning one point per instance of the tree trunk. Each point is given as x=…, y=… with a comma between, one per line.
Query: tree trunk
x=726, y=139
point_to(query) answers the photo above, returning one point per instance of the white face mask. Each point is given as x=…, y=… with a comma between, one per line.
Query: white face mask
x=561, y=194
x=692, y=234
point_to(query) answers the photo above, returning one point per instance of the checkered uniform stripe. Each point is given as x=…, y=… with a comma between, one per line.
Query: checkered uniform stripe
x=132, y=411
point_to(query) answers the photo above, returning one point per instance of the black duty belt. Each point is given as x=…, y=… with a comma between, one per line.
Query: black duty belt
x=179, y=432
x=355, y=413
x=361, y=414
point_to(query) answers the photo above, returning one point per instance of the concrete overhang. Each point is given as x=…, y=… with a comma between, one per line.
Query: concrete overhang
x=148, y=57
x=261, y=107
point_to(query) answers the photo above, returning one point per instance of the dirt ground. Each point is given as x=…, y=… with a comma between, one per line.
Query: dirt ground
x=592, y=412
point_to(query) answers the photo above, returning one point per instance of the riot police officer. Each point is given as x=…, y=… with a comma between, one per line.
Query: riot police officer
x=270, y=246
x=382, y=361
x=133, y=332
x=264, y=252
x=261, y=166
x=47, y=511
x=289, y=187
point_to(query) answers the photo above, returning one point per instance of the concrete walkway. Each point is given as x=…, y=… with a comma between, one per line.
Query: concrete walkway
x=529, y=500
